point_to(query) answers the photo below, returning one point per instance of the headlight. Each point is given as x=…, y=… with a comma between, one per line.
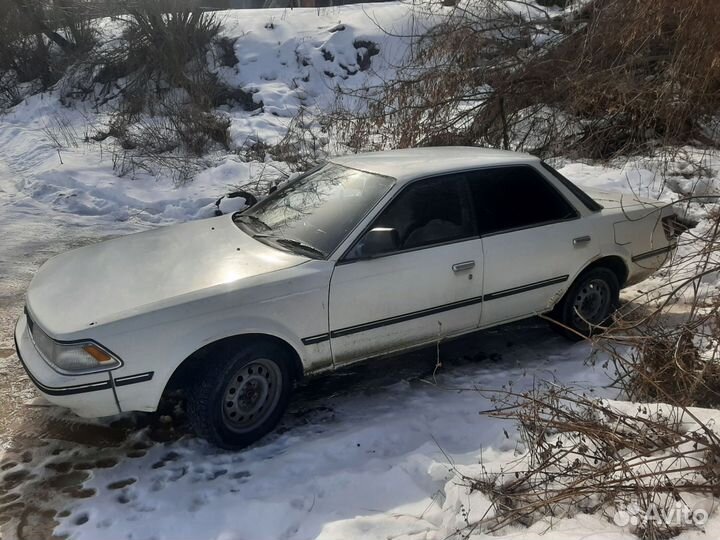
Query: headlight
x=72, y=358
x=82, y=358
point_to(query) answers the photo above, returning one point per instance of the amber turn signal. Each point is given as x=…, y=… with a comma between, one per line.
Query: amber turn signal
x=97, y=353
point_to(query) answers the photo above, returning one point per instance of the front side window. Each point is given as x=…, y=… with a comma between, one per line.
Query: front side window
x=427, y=212
x=313, y=214
x=508, y=198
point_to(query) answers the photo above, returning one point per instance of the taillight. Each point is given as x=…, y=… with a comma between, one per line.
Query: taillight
x=674, y=226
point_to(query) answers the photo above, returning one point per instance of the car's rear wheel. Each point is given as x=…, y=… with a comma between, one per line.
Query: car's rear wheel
x=587, y=304
x=242, y=394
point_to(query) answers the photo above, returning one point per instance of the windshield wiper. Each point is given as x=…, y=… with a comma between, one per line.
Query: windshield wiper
x=254, y=219
x=291, y=242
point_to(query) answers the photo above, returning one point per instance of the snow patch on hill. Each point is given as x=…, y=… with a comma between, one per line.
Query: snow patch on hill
x=293, y=59
x=289, y=59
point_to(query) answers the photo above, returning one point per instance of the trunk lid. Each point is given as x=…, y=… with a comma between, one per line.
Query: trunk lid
x=614, y=201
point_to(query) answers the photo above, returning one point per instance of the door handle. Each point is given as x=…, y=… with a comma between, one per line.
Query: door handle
x=580, y=240
x=459, y=267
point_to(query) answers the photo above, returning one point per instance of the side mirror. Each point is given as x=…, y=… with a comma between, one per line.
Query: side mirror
x=236, y=201
x=378, y=241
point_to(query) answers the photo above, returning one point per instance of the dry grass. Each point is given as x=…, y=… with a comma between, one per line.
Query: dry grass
x=667, y=366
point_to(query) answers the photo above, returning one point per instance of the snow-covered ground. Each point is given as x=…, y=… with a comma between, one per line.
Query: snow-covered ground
x=369, y=453
x=365, y=464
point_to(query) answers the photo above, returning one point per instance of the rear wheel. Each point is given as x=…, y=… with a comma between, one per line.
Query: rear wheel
x=588, y=303
x=242, y=394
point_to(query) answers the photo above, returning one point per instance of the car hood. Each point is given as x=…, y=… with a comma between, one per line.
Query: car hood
x=133, y=274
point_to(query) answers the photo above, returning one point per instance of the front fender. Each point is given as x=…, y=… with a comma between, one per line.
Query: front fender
x=288, y=308
x=163, y=350
x=211, y=332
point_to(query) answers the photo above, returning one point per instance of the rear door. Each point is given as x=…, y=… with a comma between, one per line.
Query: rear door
x=424, y=287
x=534, y=240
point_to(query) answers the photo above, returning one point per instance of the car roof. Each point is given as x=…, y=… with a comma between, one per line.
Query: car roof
x=412, y=163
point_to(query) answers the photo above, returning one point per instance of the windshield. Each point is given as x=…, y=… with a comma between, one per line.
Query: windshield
x=314, y=213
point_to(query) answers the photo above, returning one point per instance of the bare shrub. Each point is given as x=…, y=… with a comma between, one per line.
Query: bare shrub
x=166, y=44
x=667, y=366
x=226, y=51
x=158, y=77
x=73, y=19
x=171, y=142
x=665, y=343
x=615, y=77
x=304, y=144
x=653, y=458
x=10, y=94
x=587, y=455
x=163, y=49
x=39, y=40
x=26, y=58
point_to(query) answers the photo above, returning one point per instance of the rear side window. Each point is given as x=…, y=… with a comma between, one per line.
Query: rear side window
x=588, y=201
x=509, y=198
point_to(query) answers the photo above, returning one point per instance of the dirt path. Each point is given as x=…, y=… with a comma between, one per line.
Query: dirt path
x=31, y=487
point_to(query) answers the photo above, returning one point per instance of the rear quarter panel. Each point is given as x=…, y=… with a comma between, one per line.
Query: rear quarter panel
x=603, y=234
x=639, y=230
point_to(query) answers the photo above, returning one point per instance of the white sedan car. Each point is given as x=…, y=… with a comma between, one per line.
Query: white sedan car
x=366, y=255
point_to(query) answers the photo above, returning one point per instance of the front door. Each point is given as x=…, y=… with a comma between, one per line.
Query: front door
x=423, y=282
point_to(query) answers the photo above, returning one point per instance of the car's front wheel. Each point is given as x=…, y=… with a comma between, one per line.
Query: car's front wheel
x=587, y=304
x=241, y=395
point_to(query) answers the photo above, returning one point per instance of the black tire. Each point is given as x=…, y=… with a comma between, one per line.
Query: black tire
x=241, y=395
x=593, y=297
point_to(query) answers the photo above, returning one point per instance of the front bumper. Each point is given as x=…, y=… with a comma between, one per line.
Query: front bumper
x=92, y=395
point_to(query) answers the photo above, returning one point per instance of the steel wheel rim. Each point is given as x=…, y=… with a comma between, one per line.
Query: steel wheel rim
x=591, y=303
x=251, y=395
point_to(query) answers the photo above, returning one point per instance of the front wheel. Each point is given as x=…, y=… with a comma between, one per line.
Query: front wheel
x=587, y=304
x=242, y=394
